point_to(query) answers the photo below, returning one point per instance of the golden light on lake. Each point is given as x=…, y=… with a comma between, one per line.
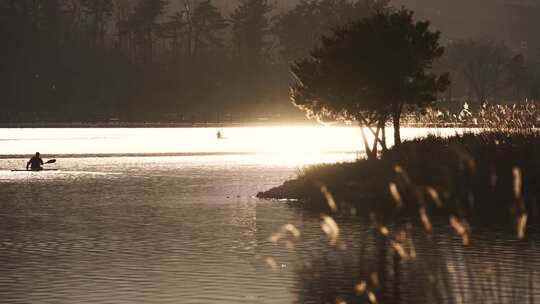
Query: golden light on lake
x=287, y=144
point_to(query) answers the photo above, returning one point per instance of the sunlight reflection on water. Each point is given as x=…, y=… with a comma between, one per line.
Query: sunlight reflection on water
x=285, y=141
x=181, y=228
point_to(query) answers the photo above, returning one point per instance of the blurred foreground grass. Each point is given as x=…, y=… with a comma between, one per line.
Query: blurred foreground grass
x=467, y=181
x=471, y=176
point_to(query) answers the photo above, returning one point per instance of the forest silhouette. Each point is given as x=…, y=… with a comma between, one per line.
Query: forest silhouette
x=192, y=61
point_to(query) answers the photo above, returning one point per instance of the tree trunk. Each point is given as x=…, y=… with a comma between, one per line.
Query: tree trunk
x=384, y=147
x=376, y=141
x=396, y=115
x=362, y=120
x=369, y=153
x=382, y=126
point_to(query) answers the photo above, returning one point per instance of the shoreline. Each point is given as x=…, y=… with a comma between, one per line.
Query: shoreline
x=60, y=125
x=44, y=125
x=463, y=175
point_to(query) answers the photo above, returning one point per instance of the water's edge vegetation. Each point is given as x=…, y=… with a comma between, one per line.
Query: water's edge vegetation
x=470, y=181
x=492, y=173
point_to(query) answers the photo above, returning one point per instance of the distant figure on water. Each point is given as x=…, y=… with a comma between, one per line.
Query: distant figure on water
x=219, y=135
x=35, y=163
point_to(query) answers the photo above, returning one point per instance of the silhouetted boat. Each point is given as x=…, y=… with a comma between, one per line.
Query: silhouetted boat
x=24, y=170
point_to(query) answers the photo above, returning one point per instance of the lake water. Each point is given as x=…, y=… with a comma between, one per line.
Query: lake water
x=169, y=216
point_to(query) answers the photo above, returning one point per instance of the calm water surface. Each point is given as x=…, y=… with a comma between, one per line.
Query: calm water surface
x=169, y=216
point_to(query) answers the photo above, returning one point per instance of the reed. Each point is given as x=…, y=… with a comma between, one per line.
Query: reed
x=469, y=180
x=498, y=116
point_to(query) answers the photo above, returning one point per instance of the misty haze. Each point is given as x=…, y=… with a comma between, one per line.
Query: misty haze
x=269, y=151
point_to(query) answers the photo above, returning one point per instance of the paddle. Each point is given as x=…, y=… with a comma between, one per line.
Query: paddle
x=50, y=161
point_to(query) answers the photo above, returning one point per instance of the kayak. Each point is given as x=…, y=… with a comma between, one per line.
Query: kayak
x=23, y=170
x=51, y=161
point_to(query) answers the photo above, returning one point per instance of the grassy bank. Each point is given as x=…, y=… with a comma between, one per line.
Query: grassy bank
x=466, y=175
x=471, y=181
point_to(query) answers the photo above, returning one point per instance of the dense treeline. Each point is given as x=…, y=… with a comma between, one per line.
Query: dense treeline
x=66, y=60
x=487, y=71
x=492, y=47
x=185, y=60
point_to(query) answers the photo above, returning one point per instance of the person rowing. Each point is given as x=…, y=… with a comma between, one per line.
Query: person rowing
x=35, y=163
